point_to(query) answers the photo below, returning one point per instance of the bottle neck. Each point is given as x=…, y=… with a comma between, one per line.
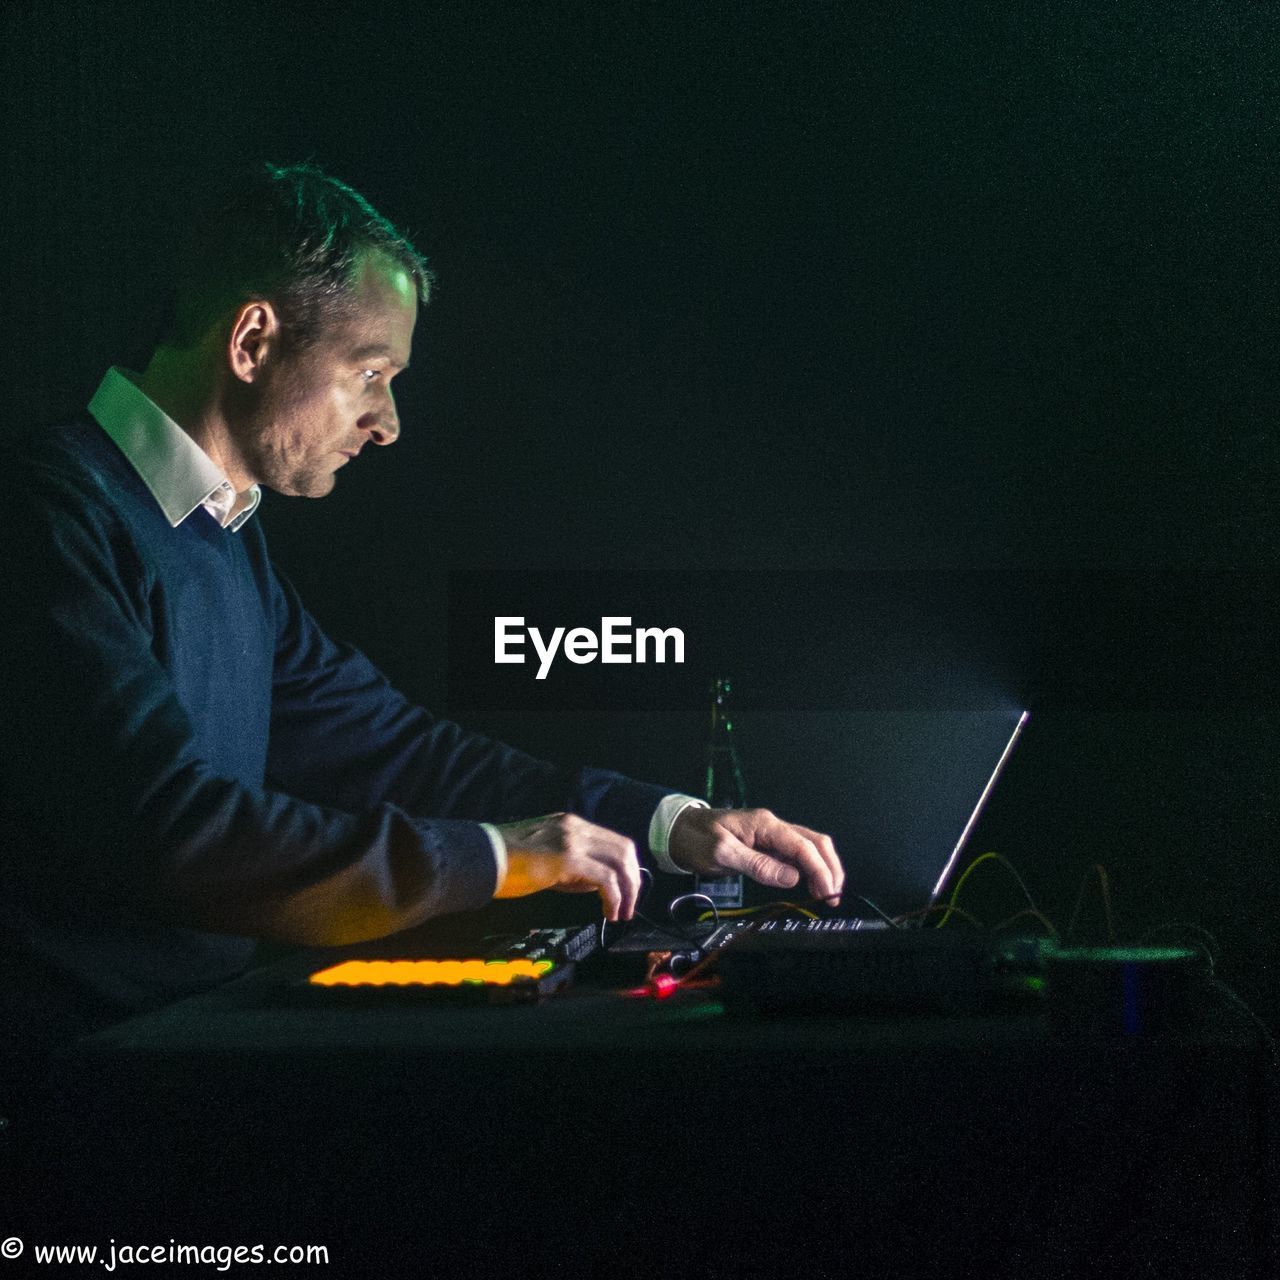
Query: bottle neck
x=725, y=789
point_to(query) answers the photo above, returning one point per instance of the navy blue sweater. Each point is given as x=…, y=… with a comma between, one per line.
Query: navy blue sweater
x=188, y=763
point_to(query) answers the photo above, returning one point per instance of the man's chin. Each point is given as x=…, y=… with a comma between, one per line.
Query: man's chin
x=307, y=486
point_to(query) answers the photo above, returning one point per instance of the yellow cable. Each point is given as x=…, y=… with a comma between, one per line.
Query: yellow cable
x=750, y=911
x=1029, y=911
x=969, y=870
x=939, y=906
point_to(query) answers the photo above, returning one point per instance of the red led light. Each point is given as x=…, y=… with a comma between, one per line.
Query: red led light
x=663, y=985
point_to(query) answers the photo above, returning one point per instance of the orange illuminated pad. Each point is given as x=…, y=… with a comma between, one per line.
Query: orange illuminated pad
x=430, y=973
x=375, y=982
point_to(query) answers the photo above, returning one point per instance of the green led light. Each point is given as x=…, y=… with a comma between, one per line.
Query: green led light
x=697, y=1013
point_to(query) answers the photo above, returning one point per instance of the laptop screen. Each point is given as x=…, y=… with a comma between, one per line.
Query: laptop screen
x=899, y=791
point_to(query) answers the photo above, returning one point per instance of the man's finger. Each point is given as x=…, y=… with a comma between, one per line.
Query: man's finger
x=596, y=877
x=629, y=884
x=629, y=878
x=616, y=891
x=615, y=856
x=786, y=843
x=733, y=855
x=827, y=849
x=610, y=896
x=617, y=872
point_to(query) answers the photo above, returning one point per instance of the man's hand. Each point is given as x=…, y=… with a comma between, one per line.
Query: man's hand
x=563, y=851
x=757, y=844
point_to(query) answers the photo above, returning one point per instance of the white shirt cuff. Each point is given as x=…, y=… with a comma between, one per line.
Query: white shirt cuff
x=664, y=818
x=499, y=852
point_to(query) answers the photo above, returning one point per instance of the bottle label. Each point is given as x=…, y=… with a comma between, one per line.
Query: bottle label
x=724, y=891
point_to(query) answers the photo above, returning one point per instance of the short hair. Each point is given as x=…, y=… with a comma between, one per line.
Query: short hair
x=292, y=236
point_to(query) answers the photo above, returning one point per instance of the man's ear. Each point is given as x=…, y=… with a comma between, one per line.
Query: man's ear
x=255, y=338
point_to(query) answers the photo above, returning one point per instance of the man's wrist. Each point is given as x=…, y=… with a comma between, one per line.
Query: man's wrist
x=661, y=826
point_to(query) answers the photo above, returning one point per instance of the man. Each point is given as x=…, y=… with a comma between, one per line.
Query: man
x=189, y=763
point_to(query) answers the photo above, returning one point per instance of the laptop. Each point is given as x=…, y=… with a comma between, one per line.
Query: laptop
x=916, y=785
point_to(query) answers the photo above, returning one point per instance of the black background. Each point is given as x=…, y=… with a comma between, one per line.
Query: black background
x=806, y=289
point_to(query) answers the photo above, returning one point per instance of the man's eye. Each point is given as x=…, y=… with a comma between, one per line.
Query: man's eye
x=368, y=375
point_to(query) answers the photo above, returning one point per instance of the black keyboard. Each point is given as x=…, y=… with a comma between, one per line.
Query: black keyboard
x=699, y=939
x=788, y=927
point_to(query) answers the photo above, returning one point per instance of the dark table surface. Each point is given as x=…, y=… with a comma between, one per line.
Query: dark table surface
x=609, y=1132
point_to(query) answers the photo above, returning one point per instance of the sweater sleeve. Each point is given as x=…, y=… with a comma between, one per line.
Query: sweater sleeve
x=340, y=734
x=119, y=809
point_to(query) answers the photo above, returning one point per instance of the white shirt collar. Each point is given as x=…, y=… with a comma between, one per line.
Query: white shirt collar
x=180, y=475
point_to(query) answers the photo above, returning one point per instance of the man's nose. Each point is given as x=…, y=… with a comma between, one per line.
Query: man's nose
x=384, y=426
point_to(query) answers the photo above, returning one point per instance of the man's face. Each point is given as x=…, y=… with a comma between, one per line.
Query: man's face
x=314, y=410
